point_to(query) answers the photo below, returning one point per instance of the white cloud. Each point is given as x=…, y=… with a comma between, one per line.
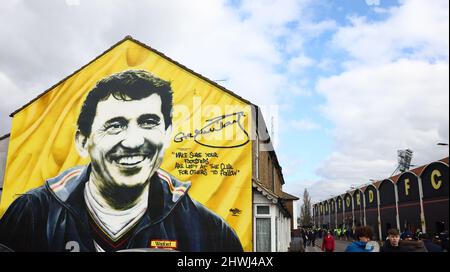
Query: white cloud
x=373, y=2
x=292, y=164
x=297, y=89
x=45, y=41
x=304, y=124
x=297, y=64
x=297, y=189
x=13, y=98
x=318, y=28
x=378, y=110
x=393, y=94
x=418, y=29
x=273, y=14
x=318, y=189
x=326, y=189
x=380, y=10
x=326, y=64
x=306, y=31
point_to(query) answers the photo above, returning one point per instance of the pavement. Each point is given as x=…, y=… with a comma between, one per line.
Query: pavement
x=340, y=246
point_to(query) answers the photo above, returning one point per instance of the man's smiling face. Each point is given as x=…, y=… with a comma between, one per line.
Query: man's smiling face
x=127, y=140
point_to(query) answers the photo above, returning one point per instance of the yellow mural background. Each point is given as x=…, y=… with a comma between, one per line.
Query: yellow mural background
x=42, y=134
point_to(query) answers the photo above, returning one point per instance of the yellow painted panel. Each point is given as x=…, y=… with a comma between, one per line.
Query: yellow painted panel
x=42, y=136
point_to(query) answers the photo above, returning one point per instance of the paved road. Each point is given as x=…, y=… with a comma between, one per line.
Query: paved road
x=340, y=246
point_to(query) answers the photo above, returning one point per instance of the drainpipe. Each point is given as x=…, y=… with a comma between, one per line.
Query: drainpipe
x=364, y=209
x=422, y=211
x=379, y=217
x=397, y=217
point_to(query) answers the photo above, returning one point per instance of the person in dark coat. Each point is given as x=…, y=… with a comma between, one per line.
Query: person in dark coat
x=443, y=237
x=313, y=238
x=413, y=245
x=304, y=238
x=406, y=235
x=431, y=247
x=392, y=244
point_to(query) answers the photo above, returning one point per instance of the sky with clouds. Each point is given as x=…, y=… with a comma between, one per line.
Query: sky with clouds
x=352, y=81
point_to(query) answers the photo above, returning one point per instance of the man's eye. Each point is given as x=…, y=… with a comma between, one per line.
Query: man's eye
x=149, y=123
x=114, y=128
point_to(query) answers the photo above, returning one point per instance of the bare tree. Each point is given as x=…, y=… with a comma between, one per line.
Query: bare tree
x=305, y=210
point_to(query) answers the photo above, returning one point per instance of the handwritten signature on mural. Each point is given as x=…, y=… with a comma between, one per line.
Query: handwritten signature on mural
x=213, y=125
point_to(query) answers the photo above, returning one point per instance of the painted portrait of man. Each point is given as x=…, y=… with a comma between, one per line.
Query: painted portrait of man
x=122, y=199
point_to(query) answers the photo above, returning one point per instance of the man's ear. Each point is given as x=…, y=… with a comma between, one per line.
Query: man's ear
x=81, y=144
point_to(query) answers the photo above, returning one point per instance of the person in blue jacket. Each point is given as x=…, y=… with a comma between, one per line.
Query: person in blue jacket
x=121, y=200
x=363, y=244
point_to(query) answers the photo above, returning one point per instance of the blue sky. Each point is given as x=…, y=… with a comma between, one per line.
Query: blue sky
x=318, y=143
x=307, y=136
x=353, y=80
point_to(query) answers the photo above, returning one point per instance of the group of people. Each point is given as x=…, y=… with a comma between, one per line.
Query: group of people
x=361, y=238
x=343, y=233
x=305, y=237
x=393, y=243
x=309, y=236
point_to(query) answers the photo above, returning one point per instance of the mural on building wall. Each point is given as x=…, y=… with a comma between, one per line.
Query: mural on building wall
x=132, y=151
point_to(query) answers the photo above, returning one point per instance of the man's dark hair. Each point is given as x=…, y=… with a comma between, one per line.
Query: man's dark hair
x=126, y=86
x=363, y=231
x=393, y=232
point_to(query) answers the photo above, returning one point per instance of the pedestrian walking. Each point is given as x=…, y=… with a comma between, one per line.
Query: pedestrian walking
x=392, y=244
x=328, y=244
x=313, y=238
x=363, y=244
x=296, y=245
x=305, y=238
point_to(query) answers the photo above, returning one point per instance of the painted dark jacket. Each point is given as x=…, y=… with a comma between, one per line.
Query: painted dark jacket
x=54, y=217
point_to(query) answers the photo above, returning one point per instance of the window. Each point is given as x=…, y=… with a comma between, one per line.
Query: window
x=262, y=210
x=263, y=236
